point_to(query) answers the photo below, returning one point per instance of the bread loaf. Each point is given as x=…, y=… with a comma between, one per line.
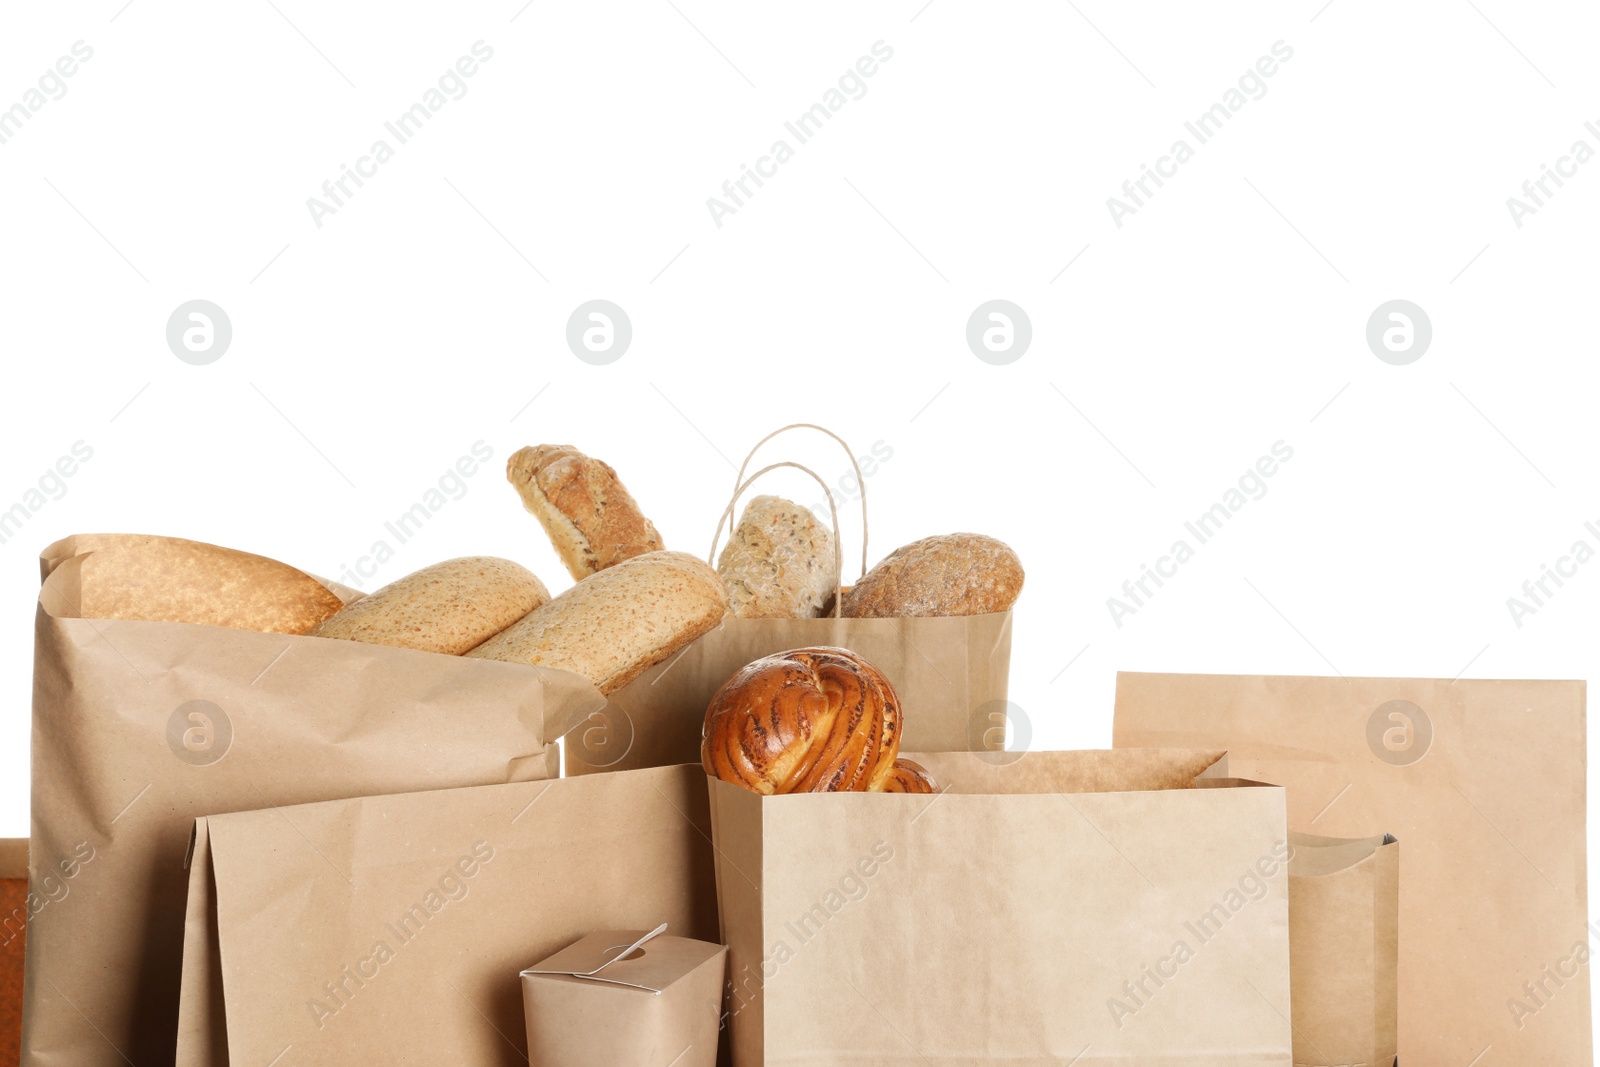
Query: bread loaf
x=780, y=564
x=812, y=720
x=450, y=607
x=613, y=627
x=953, y=574
x=169, y=579
x=592, y=520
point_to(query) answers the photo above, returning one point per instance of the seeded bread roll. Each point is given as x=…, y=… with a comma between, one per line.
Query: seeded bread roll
x=952, y=574
x=613, y=627
x=592, y=520
x=169, y=579
x=780, y=562
x=450, y=607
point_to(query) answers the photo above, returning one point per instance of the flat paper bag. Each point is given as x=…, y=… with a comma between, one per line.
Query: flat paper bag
x=1100, y=909
x=140, y=727
x=392, y=929
x=1483, y=781
x=953, y=670
x=1344, y=912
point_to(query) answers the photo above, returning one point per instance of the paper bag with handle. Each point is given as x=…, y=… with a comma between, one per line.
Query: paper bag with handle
x=948, y=657
x=392, y=929
x=172, y=680
x=1093, y=908
x=1483, y=784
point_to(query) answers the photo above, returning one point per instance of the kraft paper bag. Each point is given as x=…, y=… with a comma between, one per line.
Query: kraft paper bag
x=14, y=907
x=140, y=727
x=1344, y=915
x=626, y=998
x=1484, y=783
x=953, y=671
x=1094, y=908
x=391, y=929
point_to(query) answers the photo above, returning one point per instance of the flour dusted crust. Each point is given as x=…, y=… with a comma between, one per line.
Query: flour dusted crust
x=780, y=563
x=450, y=607
x=952, y=574
x=616, y=625
x=591, y=518
x=169, y=579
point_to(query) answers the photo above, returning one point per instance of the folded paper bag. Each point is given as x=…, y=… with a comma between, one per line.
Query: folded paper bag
x=626, y=998
x=1344, y=917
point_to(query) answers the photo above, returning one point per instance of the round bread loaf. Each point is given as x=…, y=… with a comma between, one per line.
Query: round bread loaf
x=909, y=776
x=780, y=563
x=616, y=625
x=591, y=518
x=952, y=574
x=450, y=607
x=169, y=579
x=813, y=720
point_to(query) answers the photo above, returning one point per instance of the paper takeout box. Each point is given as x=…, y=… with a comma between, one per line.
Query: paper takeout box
x=1344, y=916
x=141, y=727
x=1094, y=908
x=1482, y=781
x=626, y=998
x=391, y=929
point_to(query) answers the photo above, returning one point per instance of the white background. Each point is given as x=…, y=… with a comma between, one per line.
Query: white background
x=1227, y=314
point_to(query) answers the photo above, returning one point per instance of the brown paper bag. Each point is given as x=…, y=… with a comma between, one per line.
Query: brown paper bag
x=13, y=938
x=1344, y=914
x=392, y=929
x=952, y=670
x=1483, y=781
x=1094, y=908
x=140, y=727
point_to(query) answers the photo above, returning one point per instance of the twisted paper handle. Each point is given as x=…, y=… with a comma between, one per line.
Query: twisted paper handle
x=727, y=516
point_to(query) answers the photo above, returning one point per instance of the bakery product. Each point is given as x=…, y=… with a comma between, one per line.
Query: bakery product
x=952, y=574
x=781, y=563
x=613, y=627
x=812, y=720
x=169, y=579
x=591, y=518
x=909, y=776
x=450, y=607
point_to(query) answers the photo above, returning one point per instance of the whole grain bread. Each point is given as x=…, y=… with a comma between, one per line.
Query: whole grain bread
x=780, y=563
x=616, y=625
x=952, y=574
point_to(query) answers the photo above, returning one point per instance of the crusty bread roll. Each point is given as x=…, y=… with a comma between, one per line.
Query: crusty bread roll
x=613, y=627
x=584, y=507
x=169, y=579
x=909, y=776
x=813, y=720
x=450, y=607
x=953, y=574
x=780, y=563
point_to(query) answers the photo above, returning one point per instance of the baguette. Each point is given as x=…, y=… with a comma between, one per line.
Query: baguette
x=450, y=607
x=613, y=627
x=592, y=520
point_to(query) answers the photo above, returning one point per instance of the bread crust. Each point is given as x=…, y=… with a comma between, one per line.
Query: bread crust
x=170, y=579
x=613, y=627
x=780, y=563
x=591, y=518
x=909, y=776
x=951, y=574
x=450, y=607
